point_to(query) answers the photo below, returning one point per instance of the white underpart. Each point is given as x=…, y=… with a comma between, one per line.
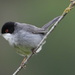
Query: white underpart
x=9, y=38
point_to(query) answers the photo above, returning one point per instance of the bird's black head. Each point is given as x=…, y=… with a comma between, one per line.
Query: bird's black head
x=8, y=27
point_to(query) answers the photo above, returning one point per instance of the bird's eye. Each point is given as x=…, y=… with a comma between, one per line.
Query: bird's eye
x=6, y=30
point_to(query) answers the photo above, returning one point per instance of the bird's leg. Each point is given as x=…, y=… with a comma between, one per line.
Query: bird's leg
x=33, y=51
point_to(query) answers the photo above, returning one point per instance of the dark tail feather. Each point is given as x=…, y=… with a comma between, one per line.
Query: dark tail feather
x=46, y=26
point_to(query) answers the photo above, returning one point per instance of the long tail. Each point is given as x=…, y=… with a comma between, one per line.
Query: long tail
x=46, y=26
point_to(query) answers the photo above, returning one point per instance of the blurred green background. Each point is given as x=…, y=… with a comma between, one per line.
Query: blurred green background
x=58, y=54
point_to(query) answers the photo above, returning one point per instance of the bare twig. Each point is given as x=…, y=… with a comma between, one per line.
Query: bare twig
x=66, y=11
x=20, y=67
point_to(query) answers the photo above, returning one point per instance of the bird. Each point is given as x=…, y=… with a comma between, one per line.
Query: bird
x=25, y=37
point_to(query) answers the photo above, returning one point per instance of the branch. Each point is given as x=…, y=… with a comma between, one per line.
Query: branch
x=66, y=11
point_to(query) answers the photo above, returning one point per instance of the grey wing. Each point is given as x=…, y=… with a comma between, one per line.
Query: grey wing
x=30, y=28
x=44, y=28
x=35, y=29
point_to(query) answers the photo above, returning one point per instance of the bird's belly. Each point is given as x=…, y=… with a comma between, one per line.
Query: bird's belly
x=26, y=43
x=30, y=40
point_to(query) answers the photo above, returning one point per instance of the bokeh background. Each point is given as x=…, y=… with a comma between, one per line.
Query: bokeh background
x=58, y=54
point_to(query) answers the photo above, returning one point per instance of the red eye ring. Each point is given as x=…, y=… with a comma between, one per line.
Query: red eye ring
x=6, y=30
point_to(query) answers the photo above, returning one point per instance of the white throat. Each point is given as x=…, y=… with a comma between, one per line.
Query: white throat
x=9, y=38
